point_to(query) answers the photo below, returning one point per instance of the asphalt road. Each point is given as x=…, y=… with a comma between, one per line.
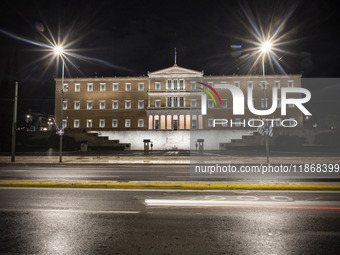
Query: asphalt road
x=125, y=173
x=95, y=172
x=90, y=221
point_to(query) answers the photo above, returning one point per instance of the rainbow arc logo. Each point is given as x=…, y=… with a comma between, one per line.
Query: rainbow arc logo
x=209, y=93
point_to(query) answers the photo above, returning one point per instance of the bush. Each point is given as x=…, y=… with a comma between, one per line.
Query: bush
x=331, y=139
x=290, y=142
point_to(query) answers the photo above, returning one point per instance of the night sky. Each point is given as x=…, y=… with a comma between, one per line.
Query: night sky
x=119, y=38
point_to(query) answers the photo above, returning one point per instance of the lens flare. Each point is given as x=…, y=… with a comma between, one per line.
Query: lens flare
x=58, y=50
x=268, y=36
x=266, y=47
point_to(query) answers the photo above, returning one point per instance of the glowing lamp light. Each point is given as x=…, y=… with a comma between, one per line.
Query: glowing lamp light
x=58, y=50
x=266, y=46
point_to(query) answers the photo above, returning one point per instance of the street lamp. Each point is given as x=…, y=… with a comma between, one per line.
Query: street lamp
x=58, y=51
x=265, y=49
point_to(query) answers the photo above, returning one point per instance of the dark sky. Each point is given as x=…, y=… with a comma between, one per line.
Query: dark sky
x=133, y=37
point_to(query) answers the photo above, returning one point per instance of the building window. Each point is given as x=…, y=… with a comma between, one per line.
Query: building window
x=77, y=87
x=156, y=122
x=192, y=85
x=101, y=123
x=64, y=123
x=169, y=102
x=175, y=84
x=169, y=85
x=237, y=84
x=277, y=84
x=128, y=87
x=102, y=86
x=175, y=101
x=114, y=123
x=141, y=104
x=237, y=122
x=279, y=103
x=292, y=122
x=158, y=86
x=194, y=122
x=250, y=84
x=157, y=103
x=90, y=87
x=89, y=105
x=115, y=87
x=127, y=104
x=65, y=87
x=210, y=103
x=290, y=84
x=224, y=103
x=278, y=122
x=141, y=86
x=140, y=123
x=291, y=105
x=64, y=105
x=89, y=123
x=210, y=123
x=181, y=102
x=127, y=123
x=223, y=83
x=76, y=105
x=102, y=105
x=115, y=105
x=181, y=84
x=76, y=123
x=264, y=103
x=193, y=103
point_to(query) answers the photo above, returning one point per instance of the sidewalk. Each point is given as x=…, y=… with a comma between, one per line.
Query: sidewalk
x=169, y=160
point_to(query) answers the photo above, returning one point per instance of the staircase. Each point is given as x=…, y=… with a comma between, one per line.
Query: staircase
x=98, y=142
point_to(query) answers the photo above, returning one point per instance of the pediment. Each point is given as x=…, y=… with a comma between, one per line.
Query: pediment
x=175, y=71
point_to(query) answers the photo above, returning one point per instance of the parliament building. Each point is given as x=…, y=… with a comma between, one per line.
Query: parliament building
x=166, y=105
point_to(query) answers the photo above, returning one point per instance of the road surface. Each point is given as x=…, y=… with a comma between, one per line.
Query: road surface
x=125, y=173
x=104, y=221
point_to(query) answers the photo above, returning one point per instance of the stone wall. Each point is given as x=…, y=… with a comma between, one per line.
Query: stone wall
x=182, y=140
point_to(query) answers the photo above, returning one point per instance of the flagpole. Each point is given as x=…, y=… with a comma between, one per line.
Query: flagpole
x=175, y=56
x=266, y=134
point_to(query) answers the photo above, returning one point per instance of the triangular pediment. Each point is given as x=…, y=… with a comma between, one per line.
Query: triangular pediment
x=175, y=71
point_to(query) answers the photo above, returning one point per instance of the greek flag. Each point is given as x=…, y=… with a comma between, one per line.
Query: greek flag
x=261, y=130
x=270, y=131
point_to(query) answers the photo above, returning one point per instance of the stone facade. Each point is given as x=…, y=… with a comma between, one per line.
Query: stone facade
x=165, y=100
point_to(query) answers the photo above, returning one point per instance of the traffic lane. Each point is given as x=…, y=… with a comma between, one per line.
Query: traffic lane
x=132, y=199
x=170, y=232
x=98, y=172
x=53, y=221
x=122, y=173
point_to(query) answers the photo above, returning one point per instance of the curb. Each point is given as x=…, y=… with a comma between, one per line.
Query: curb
x=169, y=186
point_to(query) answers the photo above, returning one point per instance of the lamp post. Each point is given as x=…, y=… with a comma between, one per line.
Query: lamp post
x=58, y=50
x=265, y=49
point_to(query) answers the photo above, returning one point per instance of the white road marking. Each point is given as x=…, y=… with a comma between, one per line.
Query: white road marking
x=247, y=198
x=281, y=198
